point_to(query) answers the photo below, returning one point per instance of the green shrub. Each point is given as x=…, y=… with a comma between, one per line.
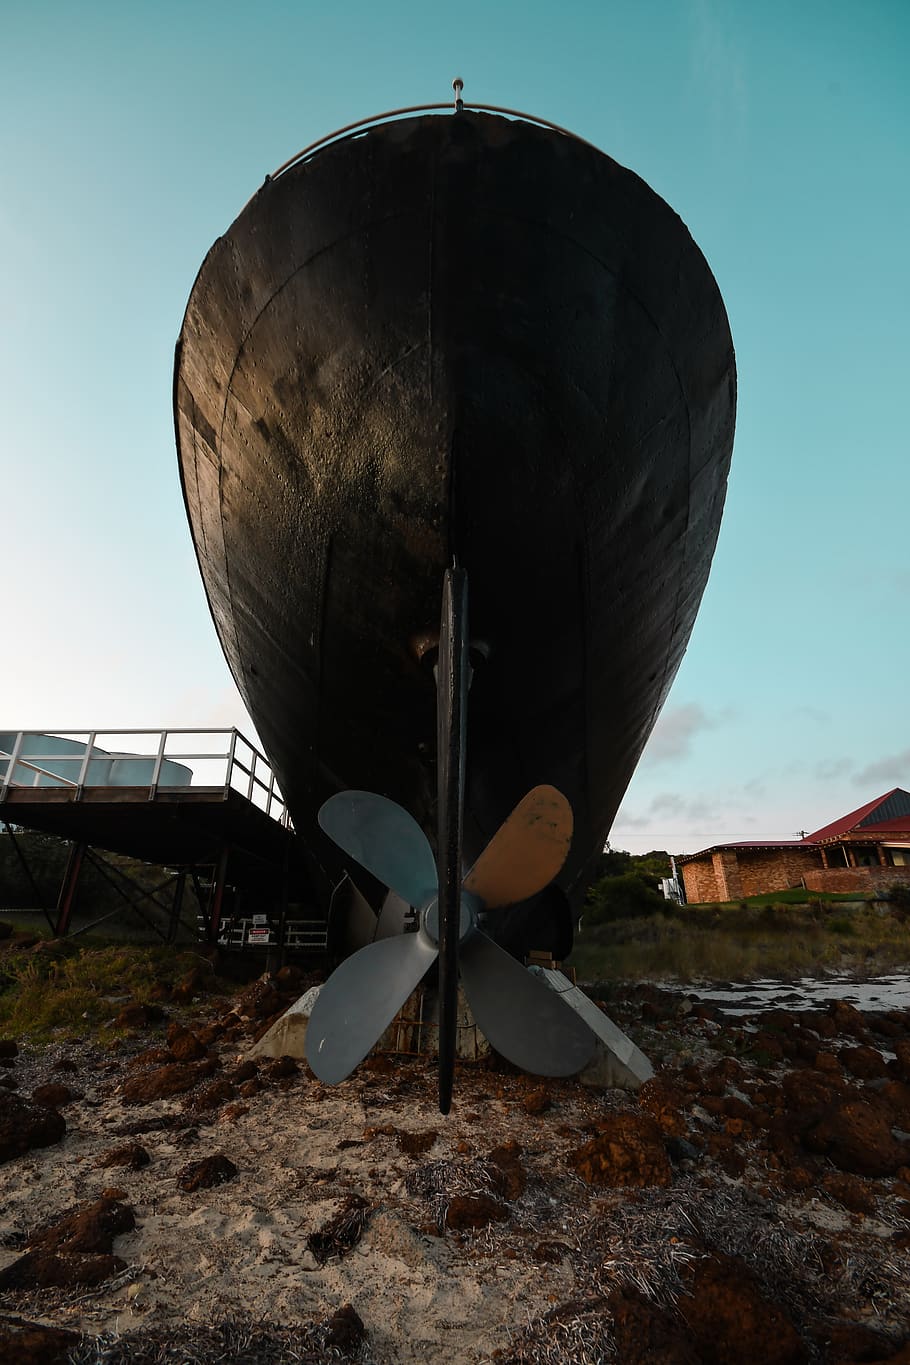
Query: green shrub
x=626, y=897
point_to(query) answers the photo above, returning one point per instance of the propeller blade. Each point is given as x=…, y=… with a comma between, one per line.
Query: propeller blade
x=519, y=1014
x=381, y=836
x=352, y=920
x=360, y=1000
x=392, y=916
x=526, y=852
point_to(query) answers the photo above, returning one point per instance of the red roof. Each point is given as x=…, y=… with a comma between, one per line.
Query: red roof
x=848, y=824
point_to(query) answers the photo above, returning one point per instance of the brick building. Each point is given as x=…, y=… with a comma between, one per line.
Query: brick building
x=867, y=849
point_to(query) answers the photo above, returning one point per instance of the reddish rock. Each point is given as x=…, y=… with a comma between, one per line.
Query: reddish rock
x=536, y=1101
x=152, y=1056
x=627, y=1150
x=853, y=1342
x=850, y=1191
x=901, y=1060
x=805, y=1091
x=188, y=988
x=856, y=1137
x=87, y=1228
x=866, y=1063
x=31, y=1343
x=820, y=1023
x=664, y=1102
x=183, y=1044
x=203, y=1175
x=211, y=1096
x=53, y=1095
x=136, y=1015
x=24, y=1125
x=827, y=1062
x=509, y=1175
x=232, y=1112
x=249, y=1088
x=281, y=1068
x=344, y=1331
x=895, y=1096
x=8, y=1048
x=174, y=1079
x=648, y=1335
x=48, y=1270
x=246, y=1071
x=847, y=1019
x=132, y=1154
x=290, y=978
x=731, y=1319
x=261, y=1000
x=474, y=1211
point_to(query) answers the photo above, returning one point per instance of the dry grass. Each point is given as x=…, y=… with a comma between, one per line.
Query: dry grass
x=744, y=943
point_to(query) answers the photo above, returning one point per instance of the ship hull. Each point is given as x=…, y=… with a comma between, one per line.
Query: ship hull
x=456, y=337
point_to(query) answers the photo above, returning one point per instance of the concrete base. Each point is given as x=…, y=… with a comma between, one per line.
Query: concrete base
x=287, y=1036
x=617, y=1063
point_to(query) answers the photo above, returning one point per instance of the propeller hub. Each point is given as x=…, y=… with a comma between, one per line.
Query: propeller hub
x=467, y=918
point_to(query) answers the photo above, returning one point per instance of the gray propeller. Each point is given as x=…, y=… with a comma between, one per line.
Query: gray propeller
x=523, y=1018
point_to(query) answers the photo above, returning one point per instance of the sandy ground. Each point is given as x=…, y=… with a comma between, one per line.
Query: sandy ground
x=518, y=1287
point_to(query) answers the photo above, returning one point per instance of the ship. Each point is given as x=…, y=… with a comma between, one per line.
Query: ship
x=456, y=338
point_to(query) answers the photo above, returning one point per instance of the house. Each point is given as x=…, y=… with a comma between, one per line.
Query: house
x=863, y=851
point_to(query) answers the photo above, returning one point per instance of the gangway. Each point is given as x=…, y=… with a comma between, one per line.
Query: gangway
x=202, y=802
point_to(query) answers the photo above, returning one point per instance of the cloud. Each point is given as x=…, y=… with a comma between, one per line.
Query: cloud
x=830, y=768
x=894, y=770
x=674, y=732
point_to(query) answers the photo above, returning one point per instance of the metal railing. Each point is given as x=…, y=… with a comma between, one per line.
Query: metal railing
x=151, y=760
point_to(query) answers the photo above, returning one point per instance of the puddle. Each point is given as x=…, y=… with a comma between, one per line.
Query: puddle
x=806, y=993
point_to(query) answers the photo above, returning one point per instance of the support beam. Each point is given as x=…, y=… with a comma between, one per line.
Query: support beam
x=217, y=900
x=68, y=889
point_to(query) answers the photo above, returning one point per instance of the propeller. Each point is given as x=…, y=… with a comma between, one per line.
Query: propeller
x=522, y=1017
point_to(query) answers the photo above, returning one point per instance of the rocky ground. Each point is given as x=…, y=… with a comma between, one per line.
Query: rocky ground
x=168, y=1201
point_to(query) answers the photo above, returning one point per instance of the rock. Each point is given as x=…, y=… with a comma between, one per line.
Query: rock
x=87, y=1228
x=173, y=1079
x=211, y=1096
x=664, y=1102
x=8, y=1048
x=49, y=1270
x=135, y=1015
x=24, y=1125
x=648, y=1335
x=183, y=1044
x=856, y=1137
x=901, y=1060
x=847, y=1019
x=854, y=1342
x=54, y=1096
x=866, y=1063
x=850, y=1191
x=730, y=1318
x=246, y=1071
x=282, y=1067
x=152, y=1056
x=627, y=1150
x=132, y=1155
x=31, y=1343
x=203, y=1175
x=509, y=1176
x=344, y=1331
x=536, y=1101
x=474, y=1211
x=186, y=990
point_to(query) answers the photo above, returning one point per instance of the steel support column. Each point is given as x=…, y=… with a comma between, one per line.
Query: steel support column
x=68, y=889
x=217, y=899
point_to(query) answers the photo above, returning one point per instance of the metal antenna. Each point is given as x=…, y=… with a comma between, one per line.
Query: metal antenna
x=458, y=86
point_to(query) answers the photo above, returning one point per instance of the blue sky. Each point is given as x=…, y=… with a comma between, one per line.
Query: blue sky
x=131, y=136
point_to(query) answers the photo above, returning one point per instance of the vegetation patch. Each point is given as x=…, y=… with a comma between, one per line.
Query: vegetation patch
x=64, y=992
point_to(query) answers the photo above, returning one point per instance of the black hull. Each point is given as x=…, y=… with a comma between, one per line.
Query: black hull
x=456, y=335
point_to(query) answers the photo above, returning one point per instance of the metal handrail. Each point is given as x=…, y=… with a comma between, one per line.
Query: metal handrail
x=350, y=129
x=275, y=805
